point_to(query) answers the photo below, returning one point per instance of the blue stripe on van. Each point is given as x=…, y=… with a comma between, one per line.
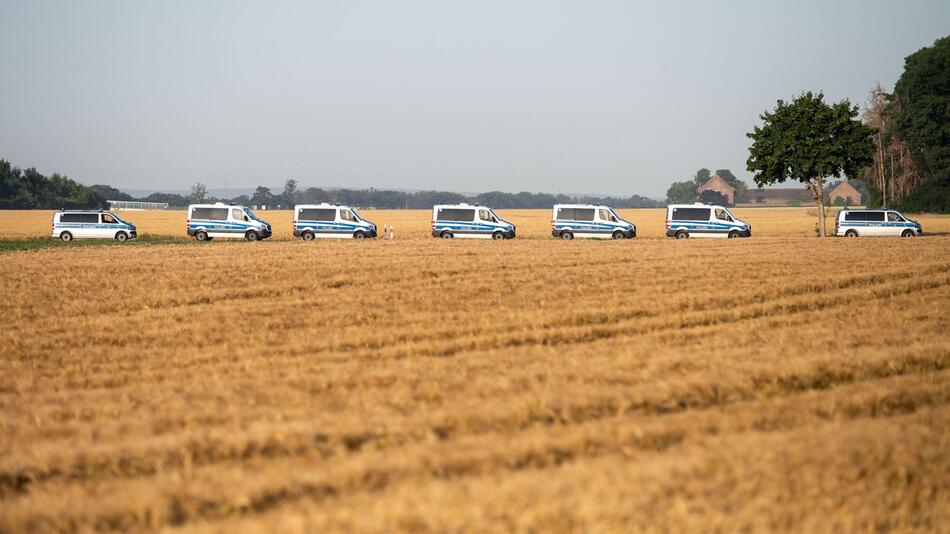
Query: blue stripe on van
x=877, y=224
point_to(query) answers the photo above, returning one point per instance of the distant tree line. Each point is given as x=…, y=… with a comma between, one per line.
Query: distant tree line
x=31, y=190
x=28, y=189
x=389, y=199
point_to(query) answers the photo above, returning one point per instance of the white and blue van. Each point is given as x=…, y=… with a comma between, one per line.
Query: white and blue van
x=85, y=224
x=208, y=221
x=704, y=220
x=330, y=220
x=469, y=221
x=881, y=222
x=589, y=220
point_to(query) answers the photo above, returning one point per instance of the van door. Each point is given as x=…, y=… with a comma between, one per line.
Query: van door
x=486, y=218
x=238, y=220
x=347, y=218
x=723, y=220
x=894, y=224
x=108, y=226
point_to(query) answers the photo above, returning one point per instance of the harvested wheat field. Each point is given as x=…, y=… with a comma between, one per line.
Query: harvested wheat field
x=780, y=382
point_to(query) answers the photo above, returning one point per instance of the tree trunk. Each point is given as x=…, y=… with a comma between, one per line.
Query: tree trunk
x=817, y=188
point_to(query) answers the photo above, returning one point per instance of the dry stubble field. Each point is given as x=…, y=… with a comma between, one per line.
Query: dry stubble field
x=779, y=382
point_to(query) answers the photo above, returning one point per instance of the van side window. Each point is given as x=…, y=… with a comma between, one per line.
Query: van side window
x=237, y=214
x=108, y=219
x=893, y=217
x=855, y=216
x=70, y=218
x=566, y=214
x=606, y=216
x=584, y=214
x=210, y=214
x=89, y=218
x=877, y=216
x=690, y=214
x=317, y=215
x=455, y=214
x=347, y=215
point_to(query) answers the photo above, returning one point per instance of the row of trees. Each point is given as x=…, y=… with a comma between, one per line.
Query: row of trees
x=28, y=189
x=389, y=199
x=685, y=191
x=911, y=161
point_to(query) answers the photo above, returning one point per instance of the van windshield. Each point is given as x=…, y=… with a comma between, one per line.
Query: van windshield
x=250, y=214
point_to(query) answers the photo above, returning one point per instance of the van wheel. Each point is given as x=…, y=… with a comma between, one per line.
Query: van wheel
x=733, y=234
x=359, y=235
x=617, y=235
x=447, y=235
x=121, y=237
x=251, y=235
x=66, y=236
x=498, y=235
x=307, y=236
x=907, y=233
x=851, y=233
x=682, y=234
x=201, y=235
x=567, y=235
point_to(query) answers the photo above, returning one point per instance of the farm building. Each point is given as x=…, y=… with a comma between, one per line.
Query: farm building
x=719, y=185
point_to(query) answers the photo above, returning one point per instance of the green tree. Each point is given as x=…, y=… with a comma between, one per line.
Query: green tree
x=682, y=193
x=701, y=176
x=199, y=192
x=262, y=196
x=289, y=196
x=921, y=107
x=809, y=141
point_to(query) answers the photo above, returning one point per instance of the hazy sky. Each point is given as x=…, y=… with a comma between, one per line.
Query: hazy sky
x=586, y=96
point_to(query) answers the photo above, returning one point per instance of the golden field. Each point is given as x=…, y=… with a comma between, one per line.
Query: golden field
x=780, y=382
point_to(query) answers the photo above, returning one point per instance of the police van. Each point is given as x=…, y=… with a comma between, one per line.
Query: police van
x=589, y=220
x=469, y=221
x=85, y=224
x=332, y=221
x=882, y=222
x=704, y=220
x=208, y=221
